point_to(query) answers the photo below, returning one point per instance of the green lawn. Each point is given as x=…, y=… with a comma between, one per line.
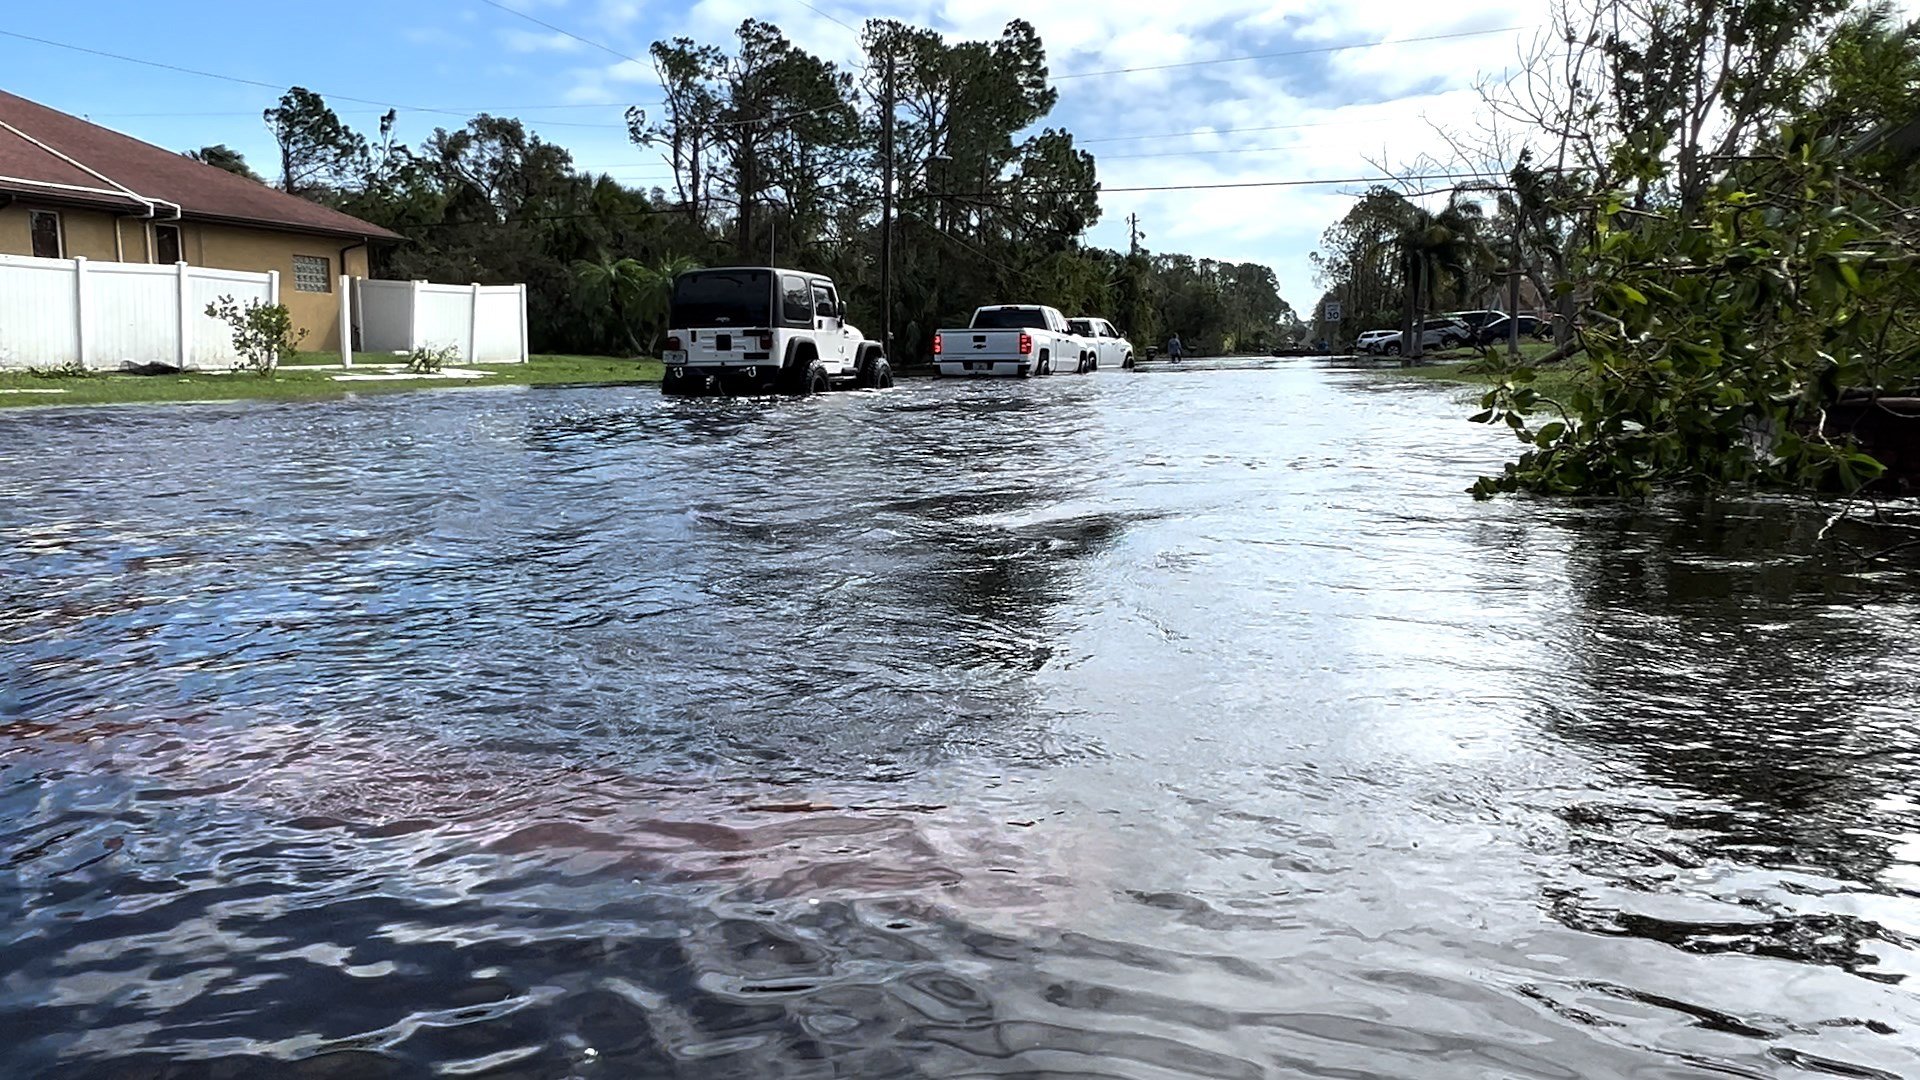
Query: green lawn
x=294, y=383
x=1551, y=380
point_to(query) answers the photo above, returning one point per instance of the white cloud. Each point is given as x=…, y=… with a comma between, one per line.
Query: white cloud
x=529, y=41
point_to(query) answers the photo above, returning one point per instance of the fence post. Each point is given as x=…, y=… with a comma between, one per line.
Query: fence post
x=413, y=318
x=185, y=286
x=81, y=292
x=526, y=356
x=473, y=325
x=346, y=321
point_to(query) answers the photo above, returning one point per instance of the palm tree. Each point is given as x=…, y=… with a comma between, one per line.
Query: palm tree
x=635, y=295
x=1431, y=247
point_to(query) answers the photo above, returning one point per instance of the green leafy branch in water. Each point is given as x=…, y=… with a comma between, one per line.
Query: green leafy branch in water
x=1717, y=338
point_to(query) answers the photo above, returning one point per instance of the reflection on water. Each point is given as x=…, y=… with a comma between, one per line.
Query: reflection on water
x=1184, y=724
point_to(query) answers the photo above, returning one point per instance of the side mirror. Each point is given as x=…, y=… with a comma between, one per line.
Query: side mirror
x=843, y=309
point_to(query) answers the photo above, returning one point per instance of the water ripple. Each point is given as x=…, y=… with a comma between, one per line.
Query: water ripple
x=1131, y=726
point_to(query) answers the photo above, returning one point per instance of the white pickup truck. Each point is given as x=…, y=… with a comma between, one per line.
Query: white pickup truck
x=1013, y=339
x=1110, y=347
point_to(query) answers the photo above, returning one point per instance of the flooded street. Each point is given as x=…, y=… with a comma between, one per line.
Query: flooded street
x=1173, y=724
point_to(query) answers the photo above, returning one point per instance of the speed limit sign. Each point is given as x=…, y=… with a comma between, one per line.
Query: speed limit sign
x=1331, y=311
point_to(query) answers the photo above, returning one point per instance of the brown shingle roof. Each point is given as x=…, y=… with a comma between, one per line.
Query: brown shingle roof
x=201, y=191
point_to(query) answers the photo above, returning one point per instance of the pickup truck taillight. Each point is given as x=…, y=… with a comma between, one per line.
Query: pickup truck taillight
x=1026, y=343
x=673, y=344
x=936, y=345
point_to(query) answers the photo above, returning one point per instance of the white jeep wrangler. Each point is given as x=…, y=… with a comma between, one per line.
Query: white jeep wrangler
x=752, y=330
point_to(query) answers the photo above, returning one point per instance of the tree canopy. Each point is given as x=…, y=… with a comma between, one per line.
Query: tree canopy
x=775, y=151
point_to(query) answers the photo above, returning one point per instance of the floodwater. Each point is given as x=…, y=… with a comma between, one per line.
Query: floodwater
x=1172, y=724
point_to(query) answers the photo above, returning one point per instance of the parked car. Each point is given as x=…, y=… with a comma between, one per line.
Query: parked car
x=1531, y=326
x=1110, y=347
x=1011, y=339
x=1476, y=320
x=1373, y=341
x=755, y=329
x=1441, y=333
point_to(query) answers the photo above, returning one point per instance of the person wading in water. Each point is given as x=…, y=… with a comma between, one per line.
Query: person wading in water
x=1174, y=349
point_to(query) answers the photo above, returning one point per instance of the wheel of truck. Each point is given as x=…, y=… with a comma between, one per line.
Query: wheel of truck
x=792, y=379
x=1081, y=367
x=813, y=380
x=876, y=374
x=1046, y=364
x=1127, y=364
x=1392, y=349
x=1093, y=363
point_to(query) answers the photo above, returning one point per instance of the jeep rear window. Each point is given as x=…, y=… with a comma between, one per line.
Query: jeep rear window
x=1010, y=319
x=722, y=298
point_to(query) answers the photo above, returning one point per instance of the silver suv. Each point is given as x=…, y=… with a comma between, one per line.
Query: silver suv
x=1446, y=333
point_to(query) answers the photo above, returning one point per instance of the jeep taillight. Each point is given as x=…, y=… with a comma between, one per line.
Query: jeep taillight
x=1026, y=343
x=936, y=345
x=766, y=340
x=673, y=344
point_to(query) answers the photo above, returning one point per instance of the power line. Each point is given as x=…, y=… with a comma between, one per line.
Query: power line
x=203, y=74
x=1098, y=190
x=1209, y=153
x=1229, y=131
x=404, y=108
x=824, y=15
x=1294, y=52
x=608, y=49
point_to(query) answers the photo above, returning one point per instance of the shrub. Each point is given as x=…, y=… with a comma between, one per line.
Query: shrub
x=425, y=361
x=72, y=369
x=263, y=334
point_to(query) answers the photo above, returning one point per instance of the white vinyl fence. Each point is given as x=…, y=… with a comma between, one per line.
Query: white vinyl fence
x=485, y=324
x=62, y=312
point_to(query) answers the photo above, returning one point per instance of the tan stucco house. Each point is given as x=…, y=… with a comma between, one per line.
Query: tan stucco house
x=70, y=188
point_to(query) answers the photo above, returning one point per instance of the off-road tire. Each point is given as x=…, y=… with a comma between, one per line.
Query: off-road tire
x=813, y=380
x=876, y=374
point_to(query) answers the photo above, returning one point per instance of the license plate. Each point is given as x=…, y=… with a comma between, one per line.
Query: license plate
x=674, y=356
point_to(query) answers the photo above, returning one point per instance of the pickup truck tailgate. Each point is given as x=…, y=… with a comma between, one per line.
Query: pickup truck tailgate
x=982, y=344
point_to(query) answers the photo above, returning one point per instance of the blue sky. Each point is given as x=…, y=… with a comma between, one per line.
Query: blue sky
x=1332, y=111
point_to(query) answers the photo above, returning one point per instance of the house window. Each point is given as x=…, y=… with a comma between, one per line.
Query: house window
x=166, y=244
x=312, y=273
x=45, y=225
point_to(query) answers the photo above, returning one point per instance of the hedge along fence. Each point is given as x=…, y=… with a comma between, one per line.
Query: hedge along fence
x=107, y=315
x=484, y=324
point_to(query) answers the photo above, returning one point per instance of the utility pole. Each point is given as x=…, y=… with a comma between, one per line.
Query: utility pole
x=886, y=205
x=1133, y=234
x=1513, y=289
